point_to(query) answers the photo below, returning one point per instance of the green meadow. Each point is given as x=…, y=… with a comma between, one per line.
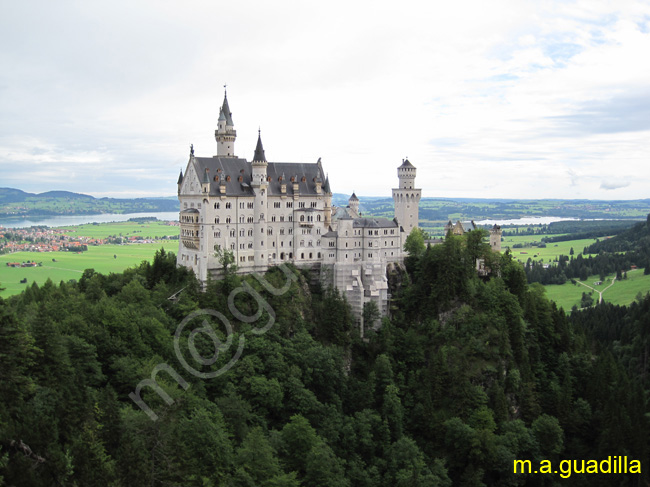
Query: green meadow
x=124, y=229
x=622, y=292
x=70, y=265
x=548, y=254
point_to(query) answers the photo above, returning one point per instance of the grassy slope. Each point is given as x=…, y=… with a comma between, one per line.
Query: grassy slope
x=126, y=229
x=622, y=292
x=70, y=265
x=548, y=254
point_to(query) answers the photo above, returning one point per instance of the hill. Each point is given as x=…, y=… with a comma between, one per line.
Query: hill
x=15, y=203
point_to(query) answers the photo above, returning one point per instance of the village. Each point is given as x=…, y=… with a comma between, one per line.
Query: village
x=46, y=239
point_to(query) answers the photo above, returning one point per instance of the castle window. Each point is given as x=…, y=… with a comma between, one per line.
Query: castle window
x=216, y=206
x=228, y=205
x=242, y=233
x=249, y=219
x=290, y=231
x=232, y=246
x=310, y=255
x=314, y=204
x=301, y=204
x=289, y=204
x=273, y=218
x=184, y=205
x=228, y=178
x=282, y=231
x=269, y=231
x=276, y=204
x=302, y=255
x=216, y=220
x=281, y=218
x=250, y=233
x=302, y=218
x=232, y=233
x=290, y=218
x=241, y=219
x=317, y=218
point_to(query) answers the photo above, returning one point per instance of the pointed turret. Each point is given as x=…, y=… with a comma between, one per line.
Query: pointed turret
x=326, y=187
x=225, y=110
x=259, y=163
x=225, y=134
x=353, y=203
x=259, y=149
x=180, y=181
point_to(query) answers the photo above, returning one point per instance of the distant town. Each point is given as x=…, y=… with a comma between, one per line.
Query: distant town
x=45, y=239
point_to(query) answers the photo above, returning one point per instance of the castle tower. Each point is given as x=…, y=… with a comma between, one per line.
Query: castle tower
x=353, y=203
x=406, y=197
x=259, y=184
x=495, y=238
x=225, y=134
x=328, y=202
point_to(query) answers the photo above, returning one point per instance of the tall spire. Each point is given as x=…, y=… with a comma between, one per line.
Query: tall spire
x=225, y=109
x=225, y=134
x=259, y=150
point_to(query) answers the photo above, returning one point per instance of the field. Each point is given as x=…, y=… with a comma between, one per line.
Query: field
x=622, y=292
x=145, y=230
x=548, y=254
x=69, y=265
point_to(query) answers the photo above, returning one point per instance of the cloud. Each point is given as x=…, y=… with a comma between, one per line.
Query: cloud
x=612, y=185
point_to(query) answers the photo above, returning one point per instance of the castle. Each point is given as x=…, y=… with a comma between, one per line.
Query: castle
x=269, y=213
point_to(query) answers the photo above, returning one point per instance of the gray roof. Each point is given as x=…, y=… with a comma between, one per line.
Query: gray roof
x=374, y=223
x=406, y=163
x=236, y=167
x=259, y=150
x=225, y=109
x=353, y=197
x=468, y=226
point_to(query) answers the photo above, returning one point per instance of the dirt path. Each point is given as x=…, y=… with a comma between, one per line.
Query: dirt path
x=600, y=293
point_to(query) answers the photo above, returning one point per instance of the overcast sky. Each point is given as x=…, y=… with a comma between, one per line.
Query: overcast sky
x=503, y=99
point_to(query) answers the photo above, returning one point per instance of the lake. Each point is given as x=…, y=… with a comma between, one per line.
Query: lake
x=529, y=220
x=66, y=220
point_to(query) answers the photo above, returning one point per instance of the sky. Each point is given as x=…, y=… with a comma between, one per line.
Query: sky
x=502, y=99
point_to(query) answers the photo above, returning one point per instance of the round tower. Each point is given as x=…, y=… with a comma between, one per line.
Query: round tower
x=407, y=197
x=225, y=134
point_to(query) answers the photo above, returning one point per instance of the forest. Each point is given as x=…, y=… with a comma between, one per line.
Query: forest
x=468, y=374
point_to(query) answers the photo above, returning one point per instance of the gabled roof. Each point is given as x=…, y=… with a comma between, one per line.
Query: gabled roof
x=236, y=167
x=406, y=163
x=353, y=197
x=374, y=223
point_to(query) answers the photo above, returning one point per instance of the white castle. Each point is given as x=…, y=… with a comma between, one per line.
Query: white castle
x=269, y=213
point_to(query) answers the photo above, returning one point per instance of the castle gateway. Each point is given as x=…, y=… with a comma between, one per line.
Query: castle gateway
x=269, y=213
